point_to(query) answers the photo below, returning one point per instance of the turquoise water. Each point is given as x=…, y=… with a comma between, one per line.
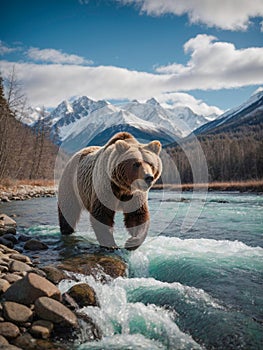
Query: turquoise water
x=195, y=283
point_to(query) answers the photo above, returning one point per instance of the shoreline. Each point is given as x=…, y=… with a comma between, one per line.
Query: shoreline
x=255, y=186
x=21, y=192
x=23, y=189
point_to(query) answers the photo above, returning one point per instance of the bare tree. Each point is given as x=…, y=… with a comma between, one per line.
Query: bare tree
x=15, y=96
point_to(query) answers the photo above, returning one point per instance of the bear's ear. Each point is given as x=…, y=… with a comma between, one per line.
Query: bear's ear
x=154, y=146
x=122, y=146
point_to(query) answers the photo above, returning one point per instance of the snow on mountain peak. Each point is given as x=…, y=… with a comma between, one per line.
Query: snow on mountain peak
x=153, y=101
x=80, y=119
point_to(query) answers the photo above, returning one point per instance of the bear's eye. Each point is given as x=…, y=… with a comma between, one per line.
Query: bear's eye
x=136, y=164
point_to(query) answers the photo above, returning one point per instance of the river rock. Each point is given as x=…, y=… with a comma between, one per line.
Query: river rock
x=4, y=249
x=42, y=329
x=84, y=295
x=6, y=242
x=9, y=330
x=35, y=244
x=52, y=310
x=3, y=341
x=7, y=228
x=95, y=265
x=12, y=278
x=3, y=268
x=27, y=342
x=19, y=266
x=30, y=288
x=17, y=313
x=4, y=285
x=9, y=347
x=54, y=275
x=7, y=221
x=21, y=257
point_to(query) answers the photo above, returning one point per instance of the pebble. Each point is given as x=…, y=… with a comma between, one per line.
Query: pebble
x=52, y=310
x=17, y=313
x=54, y=275
x=27, y=192
x=83, y=294
x=19, y=266
x=42, y=329
x=9, y=330
x=30, y=288
x=20, y=257
x=34, y=244
x=4, y=285
x=33, y=313
x=12, y=278
x=3, y=341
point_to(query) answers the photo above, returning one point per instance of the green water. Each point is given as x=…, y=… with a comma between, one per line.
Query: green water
x=196, y=282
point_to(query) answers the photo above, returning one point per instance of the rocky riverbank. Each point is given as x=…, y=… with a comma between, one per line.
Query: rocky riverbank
x=23, y=192
x=34, y=314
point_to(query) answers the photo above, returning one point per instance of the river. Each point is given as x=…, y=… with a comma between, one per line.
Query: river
x=195, y=283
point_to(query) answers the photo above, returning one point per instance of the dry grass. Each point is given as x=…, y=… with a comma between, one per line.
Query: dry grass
x=250, y=185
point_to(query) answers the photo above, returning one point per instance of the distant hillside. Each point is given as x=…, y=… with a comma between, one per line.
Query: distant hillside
x=24, y=153
x=247, y=114
x=232, y=145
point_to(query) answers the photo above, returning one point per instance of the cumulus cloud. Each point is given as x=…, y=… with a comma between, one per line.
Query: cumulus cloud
x=224, y=14
x=48, y=84
x=4, y=49
x=212, y=65
x=215, y=65
x=55, y=56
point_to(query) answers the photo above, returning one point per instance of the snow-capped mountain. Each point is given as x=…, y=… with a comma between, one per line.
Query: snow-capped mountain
x=250, y=112
x=102, y=123
x=83, y=121
x=182, y=120
x=66, y=114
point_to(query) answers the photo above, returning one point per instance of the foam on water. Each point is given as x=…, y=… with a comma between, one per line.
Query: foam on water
x=161, y=250
x=144, y=324
x=124, y=341
x=186, y=294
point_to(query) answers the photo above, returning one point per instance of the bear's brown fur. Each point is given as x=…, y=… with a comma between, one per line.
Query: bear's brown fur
x=107, y=179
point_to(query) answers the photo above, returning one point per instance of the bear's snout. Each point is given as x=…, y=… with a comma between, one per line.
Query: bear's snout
x=148, y=178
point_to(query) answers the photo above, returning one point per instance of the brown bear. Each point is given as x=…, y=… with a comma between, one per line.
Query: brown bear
x=107, y=179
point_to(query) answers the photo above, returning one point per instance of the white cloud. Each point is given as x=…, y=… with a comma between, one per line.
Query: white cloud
x=212, y=65
x=180, y=99
x=4, y=49
x=48, y=84
x=55, y=56
x=224, y=14
x=215, y=65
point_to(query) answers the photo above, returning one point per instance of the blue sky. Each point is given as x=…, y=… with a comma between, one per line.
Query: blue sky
x=191, y=52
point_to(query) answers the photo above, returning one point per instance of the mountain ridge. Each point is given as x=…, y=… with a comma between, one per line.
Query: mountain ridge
x=249, y=112
x=79, y=120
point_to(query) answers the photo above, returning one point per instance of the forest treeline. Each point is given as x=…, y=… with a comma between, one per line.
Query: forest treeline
x=235, y=155
x=25, y=153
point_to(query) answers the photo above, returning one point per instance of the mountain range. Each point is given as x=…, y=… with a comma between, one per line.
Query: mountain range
x=81, y=122
x=247, y=114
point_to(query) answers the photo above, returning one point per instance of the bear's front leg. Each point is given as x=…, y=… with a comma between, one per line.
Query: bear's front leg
x=137, y=224
x=102, y=221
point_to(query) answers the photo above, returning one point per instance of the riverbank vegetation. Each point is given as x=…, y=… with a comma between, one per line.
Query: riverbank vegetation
x=25, y=153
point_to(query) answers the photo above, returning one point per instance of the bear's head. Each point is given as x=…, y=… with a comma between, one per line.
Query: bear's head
x=135, y=166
